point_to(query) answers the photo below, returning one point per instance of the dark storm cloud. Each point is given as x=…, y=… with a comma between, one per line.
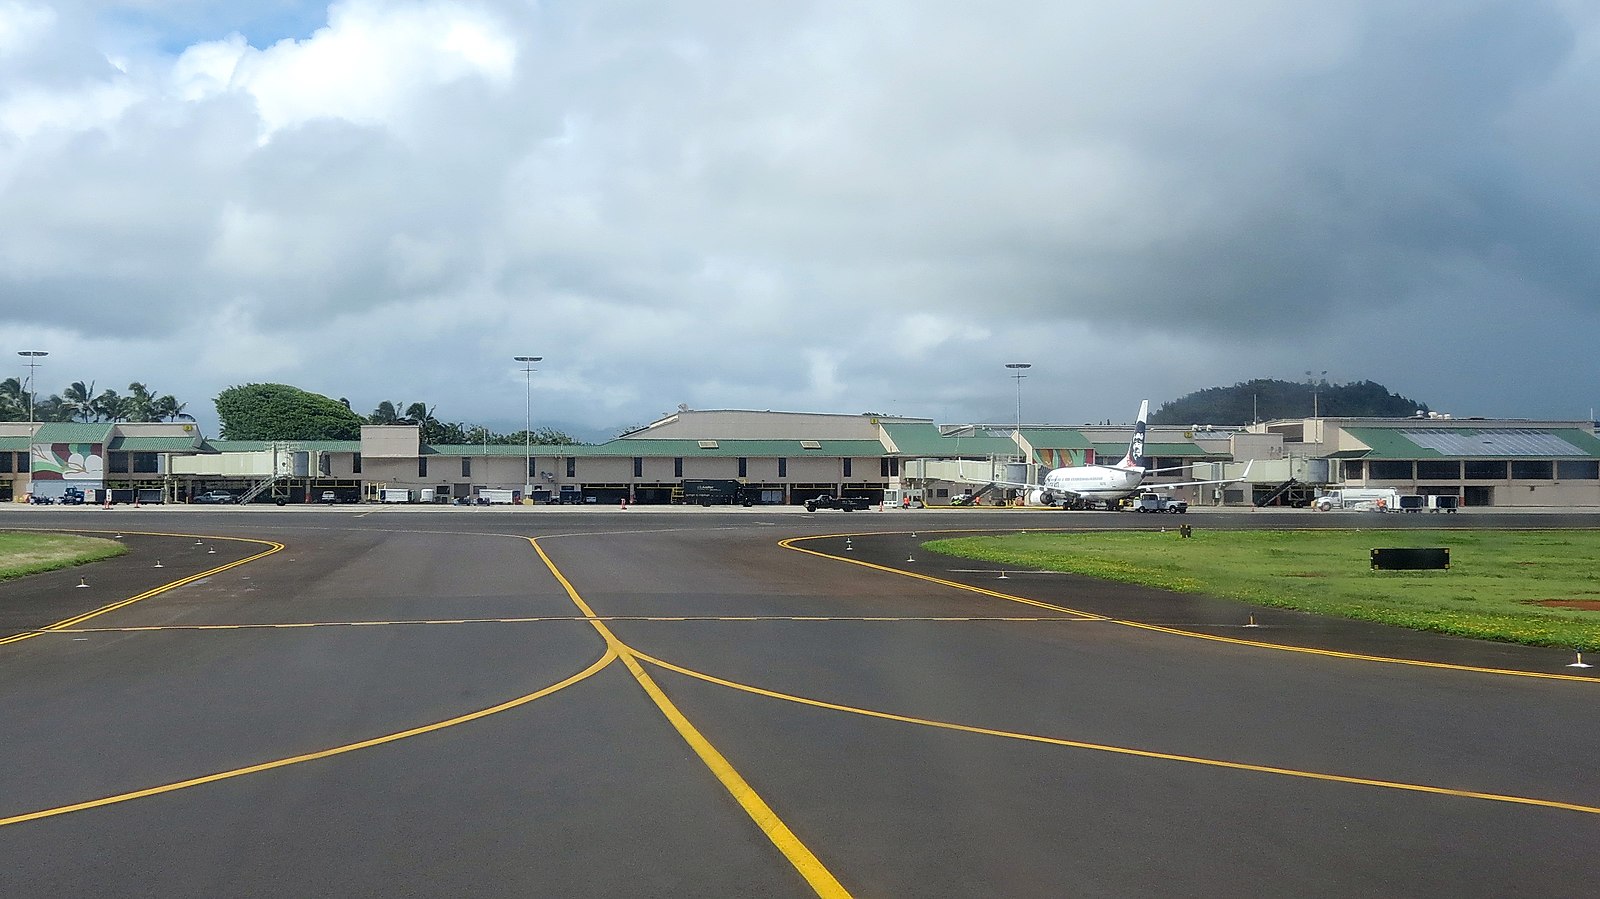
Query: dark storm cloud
x=816, y=205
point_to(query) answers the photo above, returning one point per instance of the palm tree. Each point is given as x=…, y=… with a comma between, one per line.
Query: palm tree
x=13, y=401
x=80, y=397
x=110, y=406
x=167, y=407
x=139, y=405
x=387, y=413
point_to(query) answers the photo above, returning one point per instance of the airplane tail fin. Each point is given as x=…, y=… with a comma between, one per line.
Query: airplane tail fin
x=1135, y=457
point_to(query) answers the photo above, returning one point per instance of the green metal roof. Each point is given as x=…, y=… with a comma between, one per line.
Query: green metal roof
x=1187, y=450
x=1483, y=443
x=195, y=444
x=920, y=439
x=1058, y=438
x=257, y=446
x=18, y=444
x=72, y=432
x=762, y=449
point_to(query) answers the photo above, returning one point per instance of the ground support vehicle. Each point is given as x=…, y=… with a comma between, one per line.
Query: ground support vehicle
x=1367, y=499
x=720, y=492
x=1447, y=502
x=845, y=503
x=1157, y=502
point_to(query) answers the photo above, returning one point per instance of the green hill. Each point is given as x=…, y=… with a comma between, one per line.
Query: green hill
x=1265, y=399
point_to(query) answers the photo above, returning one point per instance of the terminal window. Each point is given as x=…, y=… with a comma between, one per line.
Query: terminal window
x=1579, y=470
x=1485, y=470
x=1389, y=470
x=1533, y=469
x=1439, y=469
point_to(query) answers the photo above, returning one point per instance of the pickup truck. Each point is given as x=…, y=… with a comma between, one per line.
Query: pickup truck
x=847, y=503
x=216, y=496
x=1156, y=502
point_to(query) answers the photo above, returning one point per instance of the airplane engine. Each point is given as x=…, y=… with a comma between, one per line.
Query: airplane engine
x=1041, y=498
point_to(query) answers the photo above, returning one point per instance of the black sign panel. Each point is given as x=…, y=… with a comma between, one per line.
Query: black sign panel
x=1410, y=559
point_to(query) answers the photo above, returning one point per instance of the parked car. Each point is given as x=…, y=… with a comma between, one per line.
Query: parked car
x=216, y=497
x=329, y=497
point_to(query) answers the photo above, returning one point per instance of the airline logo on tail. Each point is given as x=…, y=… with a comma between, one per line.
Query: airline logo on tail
x=1135, y=456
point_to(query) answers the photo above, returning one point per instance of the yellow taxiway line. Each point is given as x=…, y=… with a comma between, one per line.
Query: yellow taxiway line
x=1120, y=750
x=599, y=664
x=802, y=858
x=78, y=619
x=1173, y=631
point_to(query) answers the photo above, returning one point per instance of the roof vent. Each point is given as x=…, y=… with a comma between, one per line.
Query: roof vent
x=810, y=444
x=708, y=444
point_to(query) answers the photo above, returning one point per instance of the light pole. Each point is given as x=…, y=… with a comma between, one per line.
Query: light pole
x=33, y=357
x=527, y=434
x=1312, y=378
x=1017, y=369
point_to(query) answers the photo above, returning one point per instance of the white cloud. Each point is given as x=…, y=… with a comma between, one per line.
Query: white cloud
x=796, y=205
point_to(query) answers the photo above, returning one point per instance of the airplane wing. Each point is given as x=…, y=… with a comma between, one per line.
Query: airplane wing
x=1158, y=487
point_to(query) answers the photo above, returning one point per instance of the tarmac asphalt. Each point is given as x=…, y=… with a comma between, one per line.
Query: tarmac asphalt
x=377, y=701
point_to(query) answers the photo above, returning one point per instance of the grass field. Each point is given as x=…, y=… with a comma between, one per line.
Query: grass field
x=22, y=554
x=1491, y=590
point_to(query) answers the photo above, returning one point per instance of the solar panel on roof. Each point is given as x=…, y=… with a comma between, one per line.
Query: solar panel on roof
x=1494, y=442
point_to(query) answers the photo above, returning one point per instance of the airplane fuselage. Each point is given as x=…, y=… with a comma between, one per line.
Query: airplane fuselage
x=1096, y=482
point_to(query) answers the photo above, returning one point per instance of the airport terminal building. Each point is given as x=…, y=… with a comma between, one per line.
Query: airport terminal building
x=789, y=457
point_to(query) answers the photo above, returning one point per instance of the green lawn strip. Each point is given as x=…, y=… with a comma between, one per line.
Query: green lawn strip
x=1488, y=592
x=22, y=554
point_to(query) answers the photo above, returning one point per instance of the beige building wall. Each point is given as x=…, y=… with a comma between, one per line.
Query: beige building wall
x=728, y=424
x=390, y=441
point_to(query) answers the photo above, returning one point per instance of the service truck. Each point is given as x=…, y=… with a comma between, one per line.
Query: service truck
x=847, y=503
x=1157, y=502
x=1365, y=499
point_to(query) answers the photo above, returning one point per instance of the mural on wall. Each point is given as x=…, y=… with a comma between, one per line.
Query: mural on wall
x=1065, y=458
x=68, y=462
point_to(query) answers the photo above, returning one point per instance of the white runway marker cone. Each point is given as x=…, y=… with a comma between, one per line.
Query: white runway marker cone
x=82, y=582
x=158, y=564
x=1580, y=663
x=212, y=551
x=1252, y=622
x=1003, y=577
x=908, y=558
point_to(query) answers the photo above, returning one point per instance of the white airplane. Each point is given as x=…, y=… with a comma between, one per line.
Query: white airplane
x=1076, y=485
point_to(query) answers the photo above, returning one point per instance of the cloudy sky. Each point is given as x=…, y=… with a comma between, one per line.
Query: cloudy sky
x=809, y=206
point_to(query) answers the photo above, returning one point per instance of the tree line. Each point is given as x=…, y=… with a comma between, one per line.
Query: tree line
x=80, y=402
x=283, y=412
x=1265, y=399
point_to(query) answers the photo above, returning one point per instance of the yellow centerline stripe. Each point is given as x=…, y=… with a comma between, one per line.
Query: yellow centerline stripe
x=294, y=625
x=1121, y=750
x=802, y=858
x=76, y=619
x=1178, y=632
x=605, y=659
